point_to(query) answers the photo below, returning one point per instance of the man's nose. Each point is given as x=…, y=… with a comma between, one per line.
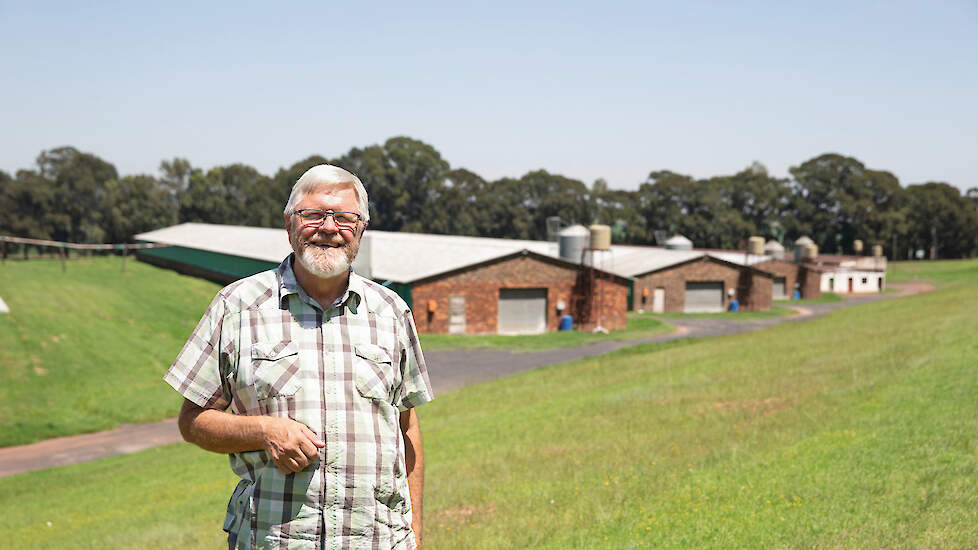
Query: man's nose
x=329, y=224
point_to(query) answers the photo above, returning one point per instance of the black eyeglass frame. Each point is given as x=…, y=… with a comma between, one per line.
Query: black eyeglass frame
x=326, y=214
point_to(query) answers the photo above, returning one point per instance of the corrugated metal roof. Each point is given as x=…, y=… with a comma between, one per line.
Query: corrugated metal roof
x=407, y=257
x=259, y=243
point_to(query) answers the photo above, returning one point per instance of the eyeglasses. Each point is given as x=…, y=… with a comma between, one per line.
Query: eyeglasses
x=313, y=217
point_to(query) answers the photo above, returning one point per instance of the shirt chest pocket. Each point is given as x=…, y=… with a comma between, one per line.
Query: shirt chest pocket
x=275, y=368
x=374, y=372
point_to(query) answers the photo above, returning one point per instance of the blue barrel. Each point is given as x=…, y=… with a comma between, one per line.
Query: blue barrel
x=734, y=305
x=796, y=295
x=566, y=322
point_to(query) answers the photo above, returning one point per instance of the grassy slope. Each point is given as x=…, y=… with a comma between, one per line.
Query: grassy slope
x=855, y=430
x=779, y=309
x=84, y=350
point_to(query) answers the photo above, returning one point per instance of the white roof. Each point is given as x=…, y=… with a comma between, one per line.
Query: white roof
x=259, y=243
x=407, y=257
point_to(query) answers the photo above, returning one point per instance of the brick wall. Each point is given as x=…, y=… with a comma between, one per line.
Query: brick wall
x=808, y=280
x=753, y=290
x=480, y=286
x=811, y=283
x=781, y=268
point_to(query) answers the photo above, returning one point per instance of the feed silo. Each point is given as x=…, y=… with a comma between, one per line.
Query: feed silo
x=774, y=249
x=573, y=240
x=755, y=245
x=600, y=237
x=878, y=250
x=800, y=246
x=678, y=242
x=857, y=246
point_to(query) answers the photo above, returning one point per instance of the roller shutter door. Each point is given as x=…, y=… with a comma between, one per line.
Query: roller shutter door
x=522, y=310
x=779, y=289
x=704, y=297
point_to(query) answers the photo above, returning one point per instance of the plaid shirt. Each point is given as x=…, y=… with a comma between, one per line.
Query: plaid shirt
x=264, y=347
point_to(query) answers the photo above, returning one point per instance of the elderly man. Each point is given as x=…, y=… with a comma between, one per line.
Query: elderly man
x=321, y=370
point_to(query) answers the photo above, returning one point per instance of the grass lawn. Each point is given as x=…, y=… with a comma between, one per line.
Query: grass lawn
x=85, y=350
x=637, y=327
x=825, y=298
x=854, y=430
x=778, y=310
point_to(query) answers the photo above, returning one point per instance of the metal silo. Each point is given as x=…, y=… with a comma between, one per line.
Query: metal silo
x=857, y=246
x=755, y=245
x=800, y=245
x=678, y=242
x=878, y=250
x=573, y=241
x=600, y=237
x=774, y=249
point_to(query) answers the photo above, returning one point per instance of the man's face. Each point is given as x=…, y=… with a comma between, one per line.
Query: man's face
x=326, y=249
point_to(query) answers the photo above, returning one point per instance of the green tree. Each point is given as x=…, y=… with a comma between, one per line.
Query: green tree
x=941, y=221
x=402, y=178
x=546, y=195
x=619, y=209
x=134, y=204
x=79, y=182
x=222, y=196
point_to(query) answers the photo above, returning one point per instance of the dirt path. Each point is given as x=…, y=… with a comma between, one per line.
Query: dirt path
x=448, y=370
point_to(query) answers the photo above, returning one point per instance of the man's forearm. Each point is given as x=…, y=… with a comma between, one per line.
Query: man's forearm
x=219, y=431
x=414, y=460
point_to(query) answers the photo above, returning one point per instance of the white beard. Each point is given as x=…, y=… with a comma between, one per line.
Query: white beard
x=324, y=263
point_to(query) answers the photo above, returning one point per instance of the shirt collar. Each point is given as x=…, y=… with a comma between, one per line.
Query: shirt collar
x=288, y=284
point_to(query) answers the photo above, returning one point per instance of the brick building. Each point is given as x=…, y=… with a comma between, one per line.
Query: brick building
x=788, y=274
x=702, y=283
x=518, y=292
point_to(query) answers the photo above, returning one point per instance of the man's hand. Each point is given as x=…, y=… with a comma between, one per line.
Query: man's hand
x=291, y=444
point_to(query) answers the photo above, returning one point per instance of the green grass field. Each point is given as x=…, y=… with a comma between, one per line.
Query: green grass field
x=638, y=327
x=825, y=298
x=85, y=350
x=779, y=309
x=855, y=430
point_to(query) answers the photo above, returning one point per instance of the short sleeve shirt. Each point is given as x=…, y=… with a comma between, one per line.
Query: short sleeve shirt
x=263, y=347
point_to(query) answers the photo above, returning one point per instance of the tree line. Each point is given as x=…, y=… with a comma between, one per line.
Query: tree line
x=76, y=196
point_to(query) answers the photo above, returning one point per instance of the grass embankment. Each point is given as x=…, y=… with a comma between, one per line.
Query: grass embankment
x=85, y=350
x=775, y=311
x=825, y=298
x=637, y=328
x=854, y=430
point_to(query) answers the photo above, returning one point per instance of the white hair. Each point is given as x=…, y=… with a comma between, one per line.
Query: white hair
x=327, y=174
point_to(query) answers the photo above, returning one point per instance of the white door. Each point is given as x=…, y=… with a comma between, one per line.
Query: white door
x=704, y=297
x=456, y=315
x=522, y=310
x=779, y=288
x=659, y=300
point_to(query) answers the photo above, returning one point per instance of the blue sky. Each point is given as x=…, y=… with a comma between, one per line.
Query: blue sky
x=580, y=89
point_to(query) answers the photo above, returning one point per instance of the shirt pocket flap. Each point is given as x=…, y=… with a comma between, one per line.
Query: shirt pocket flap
x=372, y=352
x=272, y=352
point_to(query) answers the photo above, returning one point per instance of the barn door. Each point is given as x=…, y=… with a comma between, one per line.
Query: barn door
x=704, y=297
x=522, y=310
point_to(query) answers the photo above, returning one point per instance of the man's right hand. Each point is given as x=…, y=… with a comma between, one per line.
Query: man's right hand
x=289, y=443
